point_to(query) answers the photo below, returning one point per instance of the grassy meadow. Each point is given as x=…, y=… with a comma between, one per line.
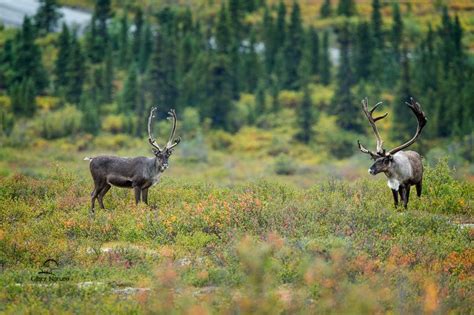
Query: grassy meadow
x=229, y=234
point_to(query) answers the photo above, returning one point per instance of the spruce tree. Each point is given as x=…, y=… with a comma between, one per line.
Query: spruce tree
x=219, y=91
x=397, y=31
x=457, y=33
x=447, y=50
x=168, y=21
x=99, y=30
x=102, y=13
x=156, y=72
x=63, y=58
x=326, y=9
x=75, y=72
x=162, y=71
x=137, y=34
x=251, y=66
x=186, y=22
x=6, y=64
x=313, y=50
x=108, y=76
x=325, y=60
x=293, y=48
x=90, y=118
x=123, y=41
x=274, y=92
x=402, y=116
x=305, y=70
x=280, y=26
x=96, y=86
x=23, y=95
x=235, y=16
x=185, y=55
x=93, y=41
x=268, y=40
x=47, y=16
x=363, y=51
x=27, y=58
x=223, y=31
x=129, y=97
x=346, y=8
x=377, y=24
x=260, y=99
x=145, y=48
x=306, y=118
x=344, y=106
x=392, y=67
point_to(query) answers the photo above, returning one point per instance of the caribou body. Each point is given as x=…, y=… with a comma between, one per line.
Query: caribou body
x=402, y=168
x=139, y=173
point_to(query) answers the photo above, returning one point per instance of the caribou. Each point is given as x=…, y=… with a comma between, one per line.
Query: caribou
x=139, y=173
x=402, y=168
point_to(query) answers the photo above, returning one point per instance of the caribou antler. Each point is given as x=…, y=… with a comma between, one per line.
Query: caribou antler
x=372, y=120
x=172, y=143
x=365, y=150
x=150, y=136
x=420, y=117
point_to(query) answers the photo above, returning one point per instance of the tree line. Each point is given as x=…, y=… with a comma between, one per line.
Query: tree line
x=173, y=59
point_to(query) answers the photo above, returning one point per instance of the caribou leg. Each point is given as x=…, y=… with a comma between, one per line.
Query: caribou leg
x=137, y=194
x=98, y=186
x=395, y=197
x=418, y=188
x=403, y=194
x=93, y=196
x=145, y=196
x=102, y=194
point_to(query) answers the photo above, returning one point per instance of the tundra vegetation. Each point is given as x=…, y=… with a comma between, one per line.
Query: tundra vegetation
x=266, y=206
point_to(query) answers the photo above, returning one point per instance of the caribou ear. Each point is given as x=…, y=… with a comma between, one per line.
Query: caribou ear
x=390, y=157
x=156, y=151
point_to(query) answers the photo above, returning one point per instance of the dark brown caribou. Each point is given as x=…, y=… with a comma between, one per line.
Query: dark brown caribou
x=139, y=173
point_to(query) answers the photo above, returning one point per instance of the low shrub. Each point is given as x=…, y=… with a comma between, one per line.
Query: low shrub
x=57, y=124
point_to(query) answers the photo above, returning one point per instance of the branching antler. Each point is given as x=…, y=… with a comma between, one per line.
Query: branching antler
x=372, y=120
x=420, y=117
x=172, y=143
x=365, y=150
x=150, y=136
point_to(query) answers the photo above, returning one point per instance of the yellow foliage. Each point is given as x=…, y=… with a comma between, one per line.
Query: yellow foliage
x=113, y=123
x=47, y=102
x=251, y=139
x=289, y=99
x=321, y=93
x=5, y=102
x=114, y=142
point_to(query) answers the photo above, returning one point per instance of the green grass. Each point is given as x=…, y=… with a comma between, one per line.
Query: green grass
x=252, y=245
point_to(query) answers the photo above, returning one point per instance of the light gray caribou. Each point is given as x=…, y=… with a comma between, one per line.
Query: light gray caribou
x=139, y=173
x=402, y=168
